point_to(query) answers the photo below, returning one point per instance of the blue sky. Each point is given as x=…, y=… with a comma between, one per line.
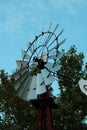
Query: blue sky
x=21, y=20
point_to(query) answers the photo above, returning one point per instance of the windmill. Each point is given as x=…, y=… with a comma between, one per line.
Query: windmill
x=36, y=72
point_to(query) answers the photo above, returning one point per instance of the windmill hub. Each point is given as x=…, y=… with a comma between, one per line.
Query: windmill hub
x=40, y=62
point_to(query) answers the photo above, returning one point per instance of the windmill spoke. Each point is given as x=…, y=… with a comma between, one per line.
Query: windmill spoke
x=46, y=36
x=51, y=34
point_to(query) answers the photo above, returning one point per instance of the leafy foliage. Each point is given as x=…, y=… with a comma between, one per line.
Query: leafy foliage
x=17, y=114
x=71, y=101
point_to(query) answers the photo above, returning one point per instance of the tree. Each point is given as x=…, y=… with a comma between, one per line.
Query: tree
x=72, y=103
x=16, y=114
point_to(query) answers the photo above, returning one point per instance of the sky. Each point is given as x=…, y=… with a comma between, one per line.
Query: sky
x=21, y=20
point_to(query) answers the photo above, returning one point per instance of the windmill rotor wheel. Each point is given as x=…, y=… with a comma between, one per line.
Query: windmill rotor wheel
x=39, y=65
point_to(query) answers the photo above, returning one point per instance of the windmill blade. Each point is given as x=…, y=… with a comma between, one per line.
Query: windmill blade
x=56, y=37
x=47, y=36
x=56, y=57
x=49, y=65
x=19, y=81
x=52, y=57
x=25, y=90
x=34, y=82
x=53, y=67
x=21, y=64
x=48, y=79
x=83, y=85
x=62, y=42
x=31, y=95
x=32, y=92
x=19, y=73
x=61, y=32
x=41, y=88
x=23, y=86
x=45, y=73
x=55, y=47
x=50, y=25
x=40, y=79
x=25, y=55
x=60, y=54
x=50, y=35
x=30, y=88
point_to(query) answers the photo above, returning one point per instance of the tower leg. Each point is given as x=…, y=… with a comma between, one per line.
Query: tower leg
x=50, y=125
x=44, y=119
x=38, y=119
